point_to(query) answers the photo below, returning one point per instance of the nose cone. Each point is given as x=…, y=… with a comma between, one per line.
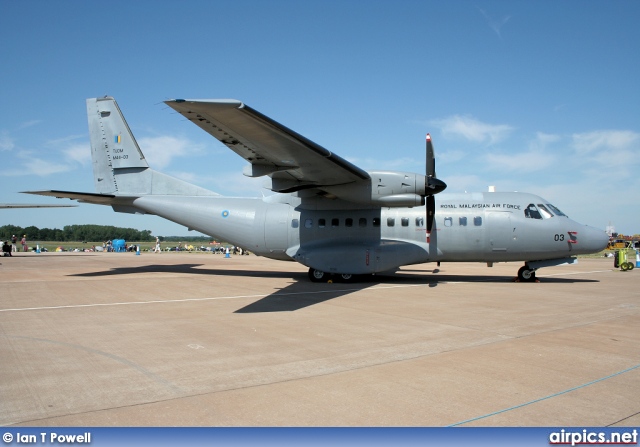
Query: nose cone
x=592, y=240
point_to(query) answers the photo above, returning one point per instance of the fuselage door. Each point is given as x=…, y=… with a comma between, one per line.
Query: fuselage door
x=500, y=231
x=276, y=227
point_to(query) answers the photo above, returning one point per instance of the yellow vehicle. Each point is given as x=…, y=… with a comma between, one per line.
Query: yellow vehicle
x=618, y=244
x=625, y=259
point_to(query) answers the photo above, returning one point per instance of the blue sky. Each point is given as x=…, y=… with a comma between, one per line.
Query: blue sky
x=535, y=96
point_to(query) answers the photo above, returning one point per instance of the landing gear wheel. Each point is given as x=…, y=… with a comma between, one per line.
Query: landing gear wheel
x=317, y=275
x=526, y=274
x=346, y=277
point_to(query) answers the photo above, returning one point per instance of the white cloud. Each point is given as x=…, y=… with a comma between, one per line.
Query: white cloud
x=29, y=165
x=28, y=124
x=473, y=129
x=6, y=142
x=519, y=162
x=65, y=140
x=544, y=139
x=536, y=158
x=607, y=151
x=463, y=183
x=80, y=153
x=449, y=156
x=495, y=24
x=160, y=151
x=618, y=141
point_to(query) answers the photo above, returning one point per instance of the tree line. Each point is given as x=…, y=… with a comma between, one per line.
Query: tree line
x=76, y=233
x=91, y=233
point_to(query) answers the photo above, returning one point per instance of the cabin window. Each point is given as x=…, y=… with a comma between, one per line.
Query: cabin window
x=348, y=222
x=335, y=222
x=295, y=223
x=308, y=223
x=419, y=221
x=391, y=222
x=531, y=212
x=405, y=221
x=477, y=221
x=376, y=221
x=448, y=221
x=544, y=211
x=462, y=221
x=322, y=223
x=362, y=222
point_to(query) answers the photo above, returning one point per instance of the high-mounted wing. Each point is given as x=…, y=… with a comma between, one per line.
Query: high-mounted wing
x=292, y=161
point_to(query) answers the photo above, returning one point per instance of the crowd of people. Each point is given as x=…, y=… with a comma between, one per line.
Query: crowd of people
x=8, y=250
x=10, y=246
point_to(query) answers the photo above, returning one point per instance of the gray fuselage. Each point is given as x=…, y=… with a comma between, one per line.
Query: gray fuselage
x=334, y=237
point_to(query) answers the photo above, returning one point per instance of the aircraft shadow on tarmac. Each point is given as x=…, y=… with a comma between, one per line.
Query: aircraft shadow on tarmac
x=302, y=293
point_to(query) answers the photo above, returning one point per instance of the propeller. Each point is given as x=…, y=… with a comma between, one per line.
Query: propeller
x=432, y=185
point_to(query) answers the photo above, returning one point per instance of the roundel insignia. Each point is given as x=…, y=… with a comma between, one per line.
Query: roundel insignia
x=225, y=213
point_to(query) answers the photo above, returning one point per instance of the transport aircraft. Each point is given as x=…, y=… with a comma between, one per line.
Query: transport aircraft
x=327, y=214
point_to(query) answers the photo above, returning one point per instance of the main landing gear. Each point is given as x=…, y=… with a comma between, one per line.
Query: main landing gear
x=320, y=276
x=526, y=274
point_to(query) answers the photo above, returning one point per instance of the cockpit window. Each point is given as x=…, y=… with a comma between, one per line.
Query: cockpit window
x=556, y=211
x=544, y=211
x=532, y=212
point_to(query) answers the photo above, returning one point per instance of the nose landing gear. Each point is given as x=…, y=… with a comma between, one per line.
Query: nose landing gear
x=526, y=274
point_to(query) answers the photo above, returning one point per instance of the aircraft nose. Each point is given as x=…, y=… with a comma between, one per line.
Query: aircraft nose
x=592, y=240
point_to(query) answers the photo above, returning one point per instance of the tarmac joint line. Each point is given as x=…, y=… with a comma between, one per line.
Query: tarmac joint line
x=545, y=397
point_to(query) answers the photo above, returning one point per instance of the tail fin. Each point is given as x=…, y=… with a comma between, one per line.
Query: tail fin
x=113, y=146
x=119, y=166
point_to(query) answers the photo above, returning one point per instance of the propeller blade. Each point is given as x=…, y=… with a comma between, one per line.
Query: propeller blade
x=431, y=209
x=431, y=159
x=432, y=185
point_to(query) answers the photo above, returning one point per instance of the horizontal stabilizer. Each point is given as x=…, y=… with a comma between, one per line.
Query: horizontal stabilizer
x=33, y=205
x=87, y=197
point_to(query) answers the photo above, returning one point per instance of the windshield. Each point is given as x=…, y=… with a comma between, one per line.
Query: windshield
x=544, y=211
x=556, y=211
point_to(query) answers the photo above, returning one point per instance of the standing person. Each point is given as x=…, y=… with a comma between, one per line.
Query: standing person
x=23, y=241
x=14, y=242
x=157, y=249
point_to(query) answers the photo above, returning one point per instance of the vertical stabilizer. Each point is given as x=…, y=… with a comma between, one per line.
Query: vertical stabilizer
x=113, y=146
x=119, y=167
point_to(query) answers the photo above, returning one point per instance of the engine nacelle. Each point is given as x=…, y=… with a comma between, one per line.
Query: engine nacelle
x=385, y=188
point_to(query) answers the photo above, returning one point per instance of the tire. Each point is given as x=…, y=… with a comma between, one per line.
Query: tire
x=346, y=277
x=526, y=274
x=624, y=266
x=317, y=275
